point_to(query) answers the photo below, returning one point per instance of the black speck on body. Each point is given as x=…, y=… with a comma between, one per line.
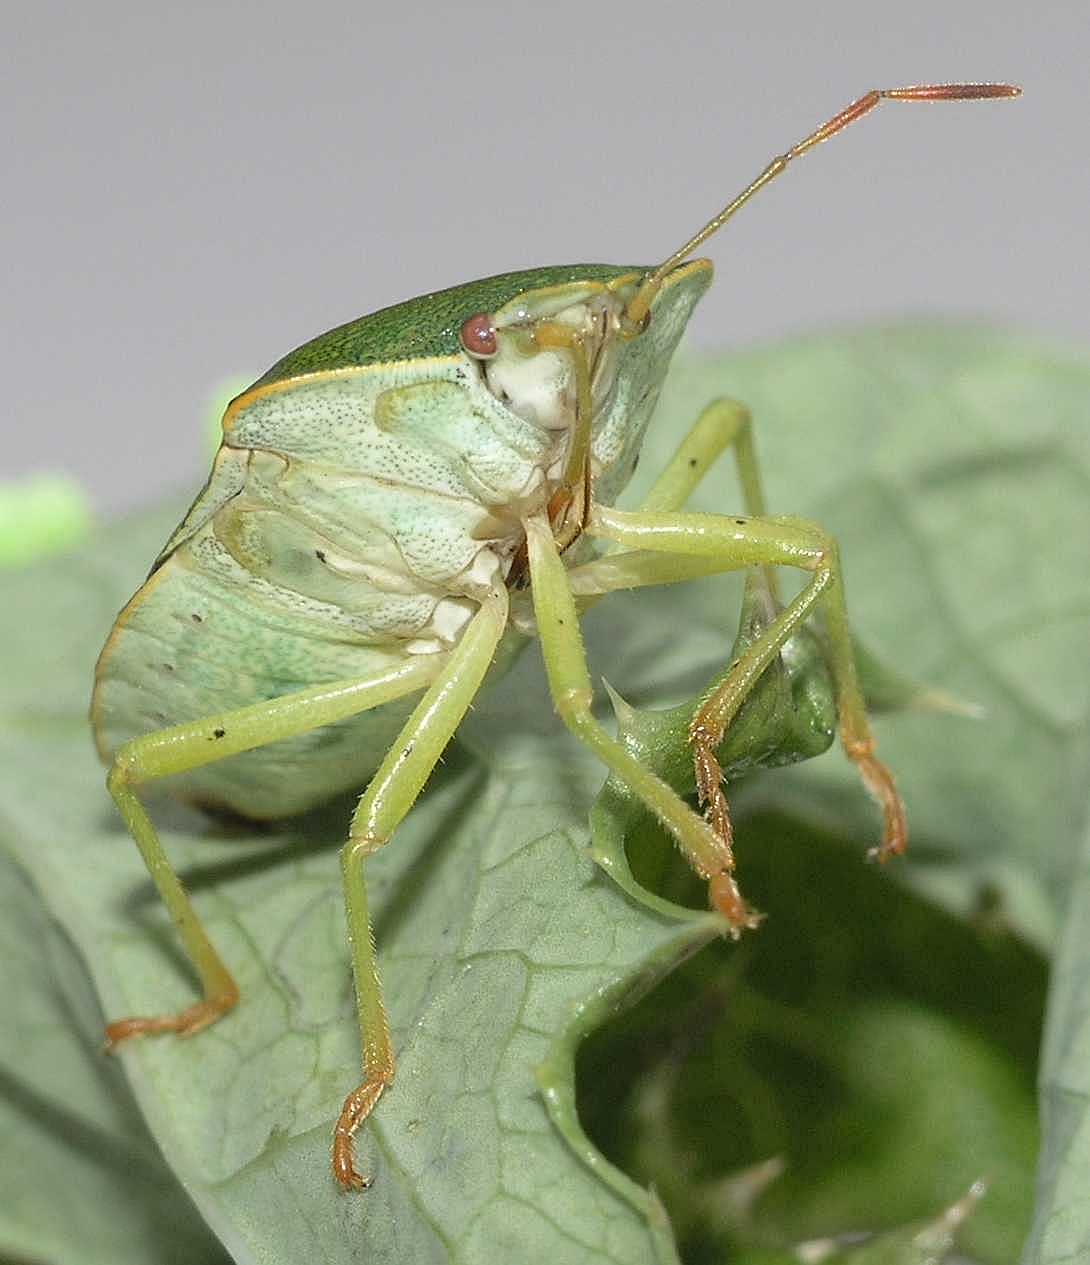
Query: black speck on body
x=218, y=733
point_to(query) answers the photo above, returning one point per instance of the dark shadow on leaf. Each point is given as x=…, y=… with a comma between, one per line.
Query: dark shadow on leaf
x=152, y=1190
x=263, y=845
x=267, y=847
x=855, y=1015
x=400, y=897
x=1024, y=459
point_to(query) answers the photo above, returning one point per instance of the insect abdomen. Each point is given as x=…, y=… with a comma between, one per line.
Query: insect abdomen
x=190, y=645
x=292, y=570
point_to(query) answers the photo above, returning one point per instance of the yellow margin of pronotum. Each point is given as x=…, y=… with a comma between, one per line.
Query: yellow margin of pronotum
x=242, y=402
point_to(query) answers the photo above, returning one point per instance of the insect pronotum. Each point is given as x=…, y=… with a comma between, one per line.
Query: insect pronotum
x=390, y=503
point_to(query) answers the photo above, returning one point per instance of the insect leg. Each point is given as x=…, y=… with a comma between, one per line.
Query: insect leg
x=389, y=796
x=569, y=681
x=740, y=542
x=188, y=746
x=723, y=424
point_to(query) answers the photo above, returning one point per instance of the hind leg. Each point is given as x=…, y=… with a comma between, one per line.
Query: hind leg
x=201, y=742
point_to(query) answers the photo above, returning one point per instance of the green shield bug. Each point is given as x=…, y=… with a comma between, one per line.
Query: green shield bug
x=394, y=507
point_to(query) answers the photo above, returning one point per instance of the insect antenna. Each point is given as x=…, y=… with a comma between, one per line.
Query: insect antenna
x=640, y=305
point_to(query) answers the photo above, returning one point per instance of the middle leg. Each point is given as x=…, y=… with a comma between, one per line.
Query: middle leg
x=389, y=796
x=724, y=424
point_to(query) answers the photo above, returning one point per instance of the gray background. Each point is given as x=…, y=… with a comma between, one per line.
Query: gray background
x=192, y=190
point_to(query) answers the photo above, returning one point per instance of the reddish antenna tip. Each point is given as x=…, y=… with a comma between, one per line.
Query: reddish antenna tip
x=953, y=92
x=640, y=304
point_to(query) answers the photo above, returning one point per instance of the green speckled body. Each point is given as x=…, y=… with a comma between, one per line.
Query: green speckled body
x=427, y=326
x=367, y=495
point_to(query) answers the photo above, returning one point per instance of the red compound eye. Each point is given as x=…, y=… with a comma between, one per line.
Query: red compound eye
x=479, y=335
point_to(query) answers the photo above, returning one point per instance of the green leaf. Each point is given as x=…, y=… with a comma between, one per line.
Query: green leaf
x=952, y=464
x=73, y=1137
x=1061, y=1230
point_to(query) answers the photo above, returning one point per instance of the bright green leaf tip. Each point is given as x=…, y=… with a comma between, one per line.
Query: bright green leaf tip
x=39, y=516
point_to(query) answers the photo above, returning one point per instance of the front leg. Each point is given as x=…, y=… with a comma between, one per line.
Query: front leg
x=707, y=851
x=726, y=544
x=723, y=425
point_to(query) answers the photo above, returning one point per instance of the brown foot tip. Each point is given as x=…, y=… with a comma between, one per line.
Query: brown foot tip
x=345, y=1173
x=895, y=837
x=357, y=1107
x=724, y=896
x=879, y=781
x=185, y=1024
x=887, y=849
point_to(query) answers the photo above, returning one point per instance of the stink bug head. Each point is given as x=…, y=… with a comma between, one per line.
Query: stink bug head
x=532, y=351
x=523, y=340
x=588, y=355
